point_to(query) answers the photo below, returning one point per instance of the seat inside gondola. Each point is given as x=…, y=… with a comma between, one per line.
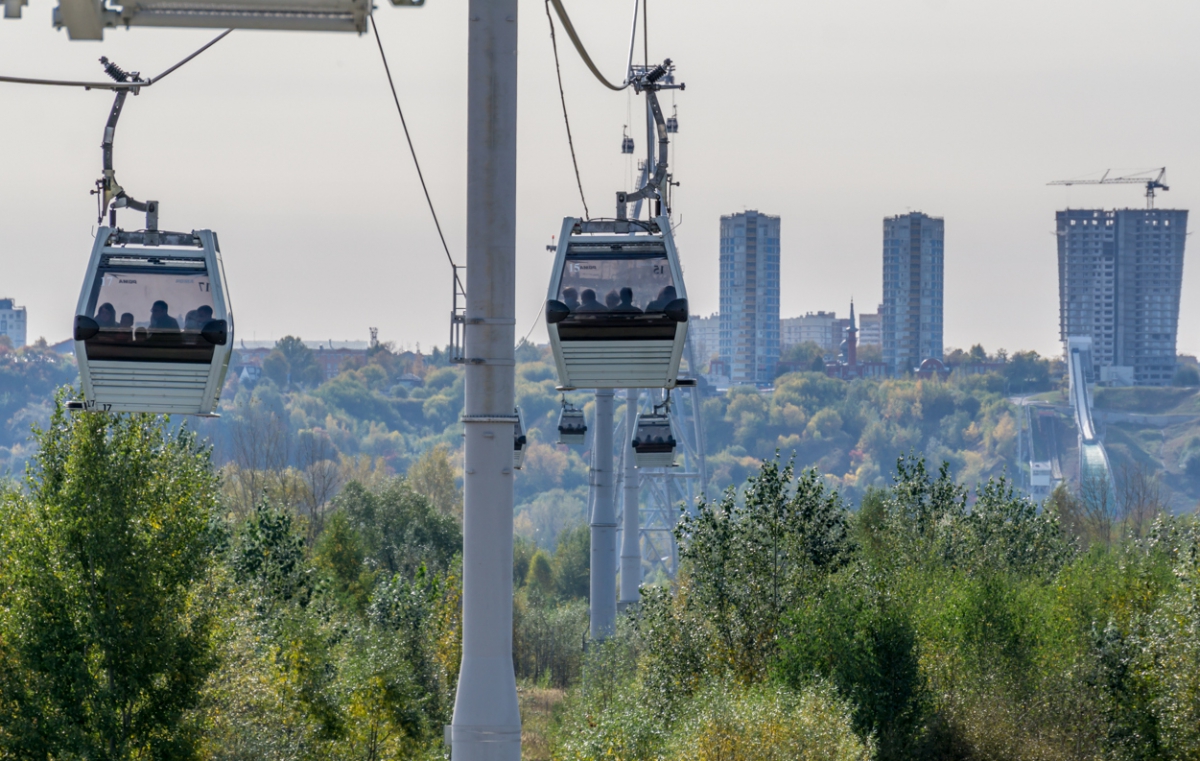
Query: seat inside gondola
x=617, y=290
x=151, y=308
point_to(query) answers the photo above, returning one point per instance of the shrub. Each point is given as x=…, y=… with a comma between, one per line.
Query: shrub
x=767, y=723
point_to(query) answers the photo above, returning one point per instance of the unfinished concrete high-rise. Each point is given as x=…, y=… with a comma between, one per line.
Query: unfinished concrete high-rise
x=912, y=290
x=1119, y=277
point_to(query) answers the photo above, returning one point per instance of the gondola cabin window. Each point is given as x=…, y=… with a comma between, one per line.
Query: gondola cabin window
x=153, y=313
x=617, y=285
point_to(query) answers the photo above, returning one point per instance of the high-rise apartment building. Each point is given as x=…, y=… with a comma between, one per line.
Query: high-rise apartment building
x=825, y=329
x=750, y=296
x=1119, y=277
x=12, y=322
x=870, y=329
x=705, y=335
x=912, y=290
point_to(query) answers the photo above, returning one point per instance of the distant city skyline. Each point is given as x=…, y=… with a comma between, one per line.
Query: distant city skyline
x=301, y=167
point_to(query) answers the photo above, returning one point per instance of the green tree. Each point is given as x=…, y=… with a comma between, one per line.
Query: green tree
x=1026, y=371
x=106, y=642
x=572, y=561
x=1186, y=375
x=291, y=362
x=434, y=476
x=400, y=529
x=541, y=576
x=751, y=560
x=339, y=552
x=806, y=356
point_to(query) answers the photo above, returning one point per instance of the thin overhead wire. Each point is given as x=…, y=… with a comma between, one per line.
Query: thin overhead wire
x=420, y=175
x=113, y=85
x=587, y=59
x=536, y=315
x=562, y=96
x=646, y=33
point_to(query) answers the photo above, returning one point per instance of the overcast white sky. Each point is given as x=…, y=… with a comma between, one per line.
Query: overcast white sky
x=832, y=115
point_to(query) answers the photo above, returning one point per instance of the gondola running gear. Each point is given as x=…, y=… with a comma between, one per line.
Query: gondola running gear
x=653, y=443
x=519, y=440
x=572, y=428
x=153, y=326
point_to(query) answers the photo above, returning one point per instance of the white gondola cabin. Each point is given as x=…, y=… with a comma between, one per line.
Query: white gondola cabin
x=653, y=443
x=519, y=440
x=153, y=327
x=572, y=427
x=616, y=310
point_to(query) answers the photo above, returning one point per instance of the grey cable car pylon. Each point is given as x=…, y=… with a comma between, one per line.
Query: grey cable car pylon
x=616, y=307
x=153, y=325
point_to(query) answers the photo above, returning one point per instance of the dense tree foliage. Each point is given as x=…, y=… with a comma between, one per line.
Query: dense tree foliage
x=104, y=642
x=936, y=622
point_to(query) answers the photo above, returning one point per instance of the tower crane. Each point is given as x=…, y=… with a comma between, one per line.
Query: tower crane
x=1157, y=182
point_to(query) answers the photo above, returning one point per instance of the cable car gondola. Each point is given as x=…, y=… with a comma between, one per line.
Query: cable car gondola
x=673, y=122
x=626, y=142
x=653, y=444
x=519, y=440
x=617, y=311
x=572, y=428
x=616, y=308
x=153, y=326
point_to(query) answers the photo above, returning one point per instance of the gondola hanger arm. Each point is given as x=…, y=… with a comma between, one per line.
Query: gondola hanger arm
x=134, y=86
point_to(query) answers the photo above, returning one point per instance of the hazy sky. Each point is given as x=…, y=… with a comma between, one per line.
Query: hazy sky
x=832, y=115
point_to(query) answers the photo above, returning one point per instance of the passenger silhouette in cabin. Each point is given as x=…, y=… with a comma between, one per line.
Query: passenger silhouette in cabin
x=571, y=298
x=611, y=300
x=160, y=319
x=191, y=321
x=589, y=303
x=106, y=316
x=203, y=315
x=126, y=320
x=625, y=302
x=665, y=296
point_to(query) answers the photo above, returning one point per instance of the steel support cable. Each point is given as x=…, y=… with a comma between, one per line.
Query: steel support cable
x=420, y=175
x=114, y=85
x=562, y=97
x=587, y=59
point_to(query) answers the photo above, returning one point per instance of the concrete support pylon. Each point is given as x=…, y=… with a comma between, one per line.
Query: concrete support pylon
x=487, y=722
x=631, y=534
x=603, y=597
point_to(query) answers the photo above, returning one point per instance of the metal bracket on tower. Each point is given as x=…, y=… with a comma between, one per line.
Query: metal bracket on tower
x=458, y=317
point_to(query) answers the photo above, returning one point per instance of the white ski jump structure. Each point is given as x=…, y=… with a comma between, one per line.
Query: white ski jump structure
x=1093, y=458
